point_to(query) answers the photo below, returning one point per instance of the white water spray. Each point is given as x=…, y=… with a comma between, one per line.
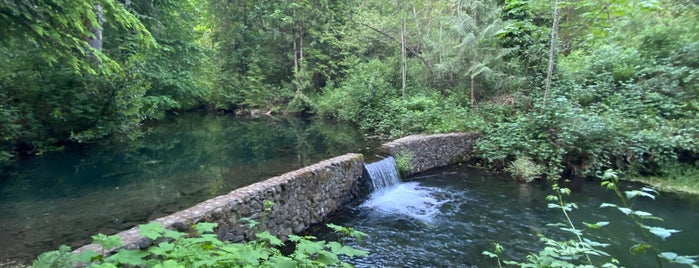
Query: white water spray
x=390, y=196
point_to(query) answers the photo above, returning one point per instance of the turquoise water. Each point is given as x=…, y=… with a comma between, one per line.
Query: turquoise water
x=446, y=217
x=64, y=197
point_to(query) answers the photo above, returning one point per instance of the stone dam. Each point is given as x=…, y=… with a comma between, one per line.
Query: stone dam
x=305, y=196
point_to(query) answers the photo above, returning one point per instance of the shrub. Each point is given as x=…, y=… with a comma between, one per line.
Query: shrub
x=524, y=170
x=404, y=163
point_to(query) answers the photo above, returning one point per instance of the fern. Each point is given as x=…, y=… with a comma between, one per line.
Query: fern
x=54, y=259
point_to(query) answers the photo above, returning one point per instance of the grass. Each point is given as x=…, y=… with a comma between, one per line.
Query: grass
x=679, y=177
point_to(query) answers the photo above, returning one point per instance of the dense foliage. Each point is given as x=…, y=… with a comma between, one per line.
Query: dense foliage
x=202, y=248
x=624, y=87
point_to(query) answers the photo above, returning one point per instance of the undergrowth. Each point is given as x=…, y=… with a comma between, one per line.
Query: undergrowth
x=202, y=248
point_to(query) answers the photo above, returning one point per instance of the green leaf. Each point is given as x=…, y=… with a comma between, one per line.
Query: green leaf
x=674, y=258
x=595, y=244
x=162, y=248
x=104, y=265
x=635, y=193
x=596, y=225
x=626, y=211
x=132, y=257
x=552, y=205
x=295, y=238
x=205, y=227
x=152, y=230
x=605, y=205
x=660, y=231
x=169, y=264
x=642, y=213
x=327, y=258
x=85, y=256
x=571, y=230
x=173, y=234
x=285, y=263
x=668, y=255
x=336, y=228
x=640, y=248
x=251, y=223
x=107, y=242
x=266, y=235
x=489, y=254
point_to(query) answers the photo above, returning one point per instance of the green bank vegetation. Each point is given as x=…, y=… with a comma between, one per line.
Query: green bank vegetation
x=621, y=91
x=200, y=247
x=558, y=88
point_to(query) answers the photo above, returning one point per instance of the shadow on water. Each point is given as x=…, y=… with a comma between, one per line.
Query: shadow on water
x=64, y=197
x=448, y=216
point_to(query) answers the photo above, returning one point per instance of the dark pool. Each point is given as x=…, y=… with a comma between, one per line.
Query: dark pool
x=446, y=217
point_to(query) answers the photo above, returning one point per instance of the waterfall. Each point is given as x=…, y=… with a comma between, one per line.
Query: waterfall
x=391, y=197
x=383, y=174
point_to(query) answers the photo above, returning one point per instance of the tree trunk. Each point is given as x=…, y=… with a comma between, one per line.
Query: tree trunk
x=552, y=51
x=403, y=55
x=473, y=97
x=301, y=47
x=293, y=37
x=95, y=41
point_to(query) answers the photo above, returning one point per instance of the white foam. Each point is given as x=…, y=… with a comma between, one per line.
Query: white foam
x=409, y=199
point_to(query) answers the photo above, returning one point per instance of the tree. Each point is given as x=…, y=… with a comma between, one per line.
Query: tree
x=467, y=46
x=552, y=49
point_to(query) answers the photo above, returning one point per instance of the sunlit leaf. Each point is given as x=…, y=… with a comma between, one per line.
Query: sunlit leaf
x=266, y=235
x=640, y=248
x=552, y=205
x=635, y=193
x=604, y=205
x=626, y=211
x=85, y=256
x=169, y=264
x=132, y=257
x=205, y=227
x=596, y=225
x=660, y=231
x=152, y=230
x=107, y=242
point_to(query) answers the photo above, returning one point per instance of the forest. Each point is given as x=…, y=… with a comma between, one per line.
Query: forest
x=557, y=88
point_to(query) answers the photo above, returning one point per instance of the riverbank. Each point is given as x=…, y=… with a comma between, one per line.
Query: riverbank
x=677, y=185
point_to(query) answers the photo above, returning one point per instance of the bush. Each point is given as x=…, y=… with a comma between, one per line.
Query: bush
x=363, y=98
x=524, y=170
x=561, y=137
x=404, y=163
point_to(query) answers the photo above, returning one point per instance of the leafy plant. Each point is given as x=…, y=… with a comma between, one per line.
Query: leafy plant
x=202, y=248
x=577, y=252
x=404, y=163
x=610, y=181
x=524, y=169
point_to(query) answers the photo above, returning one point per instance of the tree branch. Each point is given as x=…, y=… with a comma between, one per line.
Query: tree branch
x=412, y=50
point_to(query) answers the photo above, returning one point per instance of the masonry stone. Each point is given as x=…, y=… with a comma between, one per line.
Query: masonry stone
x=431, y=151
x=305, y=196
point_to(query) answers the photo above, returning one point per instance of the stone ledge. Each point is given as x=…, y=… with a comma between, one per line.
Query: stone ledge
x=300, y=198
x=430, y=151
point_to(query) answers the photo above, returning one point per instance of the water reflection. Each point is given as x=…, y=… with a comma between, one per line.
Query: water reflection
x=63, y=198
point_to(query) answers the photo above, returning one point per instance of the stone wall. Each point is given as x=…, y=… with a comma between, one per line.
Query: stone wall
x=300, y=198
x=430, y=151
x=306, y=196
